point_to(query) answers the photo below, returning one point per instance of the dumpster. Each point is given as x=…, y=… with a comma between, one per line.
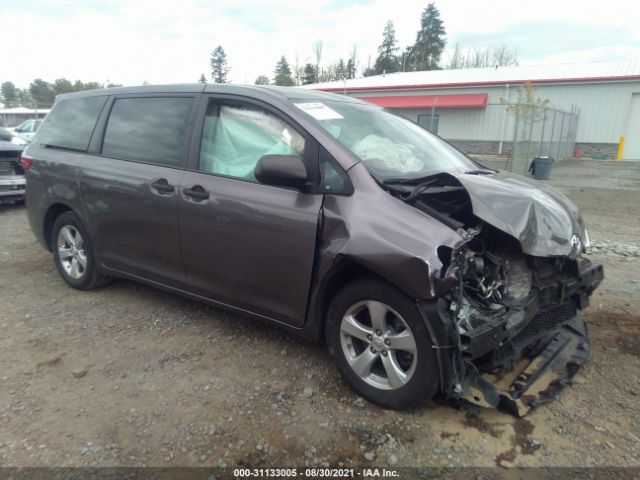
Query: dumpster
x=540, y=168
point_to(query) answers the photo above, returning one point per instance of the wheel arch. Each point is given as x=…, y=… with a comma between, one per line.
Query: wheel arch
x=343, y=271
x=53, y=212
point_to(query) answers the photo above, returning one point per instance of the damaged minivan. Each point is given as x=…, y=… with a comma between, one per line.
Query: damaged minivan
x=425, y=273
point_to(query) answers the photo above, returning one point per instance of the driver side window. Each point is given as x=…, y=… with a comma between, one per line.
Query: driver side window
x=236, y=136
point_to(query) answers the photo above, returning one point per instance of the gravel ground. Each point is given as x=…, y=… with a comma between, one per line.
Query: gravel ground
x=129, y=375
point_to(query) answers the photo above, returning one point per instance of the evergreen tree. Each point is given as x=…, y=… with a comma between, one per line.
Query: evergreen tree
x=25, y=99
x=42, y=92
x=309, y=74
x=351, y=69
x=93, y=85
x=202, y=78
x=10, y=94
x=387, y=61
x=262, y=80
x=430, y=41
x=219, y=67
x=340, y=70
x=283, y=73
x=62, y=85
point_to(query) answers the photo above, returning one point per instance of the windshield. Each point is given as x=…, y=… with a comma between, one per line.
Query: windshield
x=391, y=147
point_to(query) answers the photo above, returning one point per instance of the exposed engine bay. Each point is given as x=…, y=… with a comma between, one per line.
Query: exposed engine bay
x=517, y=332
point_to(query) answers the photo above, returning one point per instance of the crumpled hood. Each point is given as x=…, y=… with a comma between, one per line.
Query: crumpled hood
x=540, y=217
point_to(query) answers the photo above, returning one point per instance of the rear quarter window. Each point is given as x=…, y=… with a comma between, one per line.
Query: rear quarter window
x=70, y=123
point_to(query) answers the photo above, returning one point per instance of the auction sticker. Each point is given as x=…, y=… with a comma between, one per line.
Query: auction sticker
x=319, y=110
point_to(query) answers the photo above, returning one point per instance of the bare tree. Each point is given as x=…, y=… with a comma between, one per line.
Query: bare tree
x=352, y=63
x=317, y=50
x=473, y=57
x=298, y=69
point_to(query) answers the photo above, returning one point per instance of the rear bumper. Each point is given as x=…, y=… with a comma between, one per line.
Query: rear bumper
x=12, y=186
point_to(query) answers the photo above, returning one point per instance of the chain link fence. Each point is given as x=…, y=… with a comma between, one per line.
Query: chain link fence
x=518, y=131
x=538, y=131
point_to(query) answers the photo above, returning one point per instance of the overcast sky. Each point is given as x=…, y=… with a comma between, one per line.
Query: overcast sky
x=161, y=41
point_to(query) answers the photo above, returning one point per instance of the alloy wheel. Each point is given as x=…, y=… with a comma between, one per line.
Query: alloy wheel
x=71, y=252
x=378, y=345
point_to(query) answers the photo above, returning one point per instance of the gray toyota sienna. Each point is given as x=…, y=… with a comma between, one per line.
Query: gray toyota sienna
x=425, y=273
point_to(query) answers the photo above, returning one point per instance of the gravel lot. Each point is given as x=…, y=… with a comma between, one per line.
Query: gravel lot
x=129, y=375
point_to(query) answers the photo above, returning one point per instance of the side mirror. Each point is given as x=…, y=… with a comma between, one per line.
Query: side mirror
x=281, y=171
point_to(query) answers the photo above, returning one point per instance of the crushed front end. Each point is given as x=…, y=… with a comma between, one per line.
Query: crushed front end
x=507, y=323
x=518, y=330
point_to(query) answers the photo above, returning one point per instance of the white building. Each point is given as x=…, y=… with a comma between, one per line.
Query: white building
x=467, y=106
x=12, y=117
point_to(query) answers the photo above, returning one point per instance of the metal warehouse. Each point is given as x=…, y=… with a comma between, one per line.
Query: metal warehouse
x=590, y=109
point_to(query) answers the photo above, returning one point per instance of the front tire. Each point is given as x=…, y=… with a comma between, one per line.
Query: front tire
x=73, y=255
x=381, y=345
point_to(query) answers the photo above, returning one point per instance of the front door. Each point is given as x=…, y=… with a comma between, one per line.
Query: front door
x=246, y=244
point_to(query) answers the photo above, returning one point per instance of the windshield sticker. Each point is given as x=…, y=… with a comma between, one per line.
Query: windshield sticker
x=319, y=111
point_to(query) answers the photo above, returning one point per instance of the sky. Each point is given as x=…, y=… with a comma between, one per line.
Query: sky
x=157, y=41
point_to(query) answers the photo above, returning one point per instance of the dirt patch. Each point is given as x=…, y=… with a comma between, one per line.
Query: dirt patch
x=618, y=330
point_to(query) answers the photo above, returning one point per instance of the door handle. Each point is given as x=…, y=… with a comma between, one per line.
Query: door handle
x=196, y=192
x=162, y=186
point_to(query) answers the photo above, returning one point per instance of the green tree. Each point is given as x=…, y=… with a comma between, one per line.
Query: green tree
x=262, y=80
x=219, y=66
x=62, y=85
x=202, y=78
x=79, y=85
x=283, y=73
x=387, y=61
x=340, y=71
x=92, y=85
x=10, y=94
x=25, y=99
x=309, y=74
x=425, y=53
x=42, y=92
x=113, y=85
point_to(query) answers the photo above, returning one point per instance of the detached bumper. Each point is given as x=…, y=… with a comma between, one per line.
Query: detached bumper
x=537, y=376
x=544, y=356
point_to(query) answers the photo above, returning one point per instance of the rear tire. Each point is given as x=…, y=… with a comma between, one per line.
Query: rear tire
x=73, y=253
x=381, y=345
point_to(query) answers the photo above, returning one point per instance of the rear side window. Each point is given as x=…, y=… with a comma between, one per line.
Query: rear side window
x=70, y=123
x=149, y=130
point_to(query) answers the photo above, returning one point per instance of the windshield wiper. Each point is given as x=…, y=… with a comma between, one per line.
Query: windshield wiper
x=481, y=172
x=414, y=180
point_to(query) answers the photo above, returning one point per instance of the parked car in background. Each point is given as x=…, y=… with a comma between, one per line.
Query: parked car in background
x=425, y=273
x=12, y=181
x=27, y=129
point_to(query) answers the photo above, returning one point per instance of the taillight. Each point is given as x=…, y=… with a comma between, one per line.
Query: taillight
x=26, y=162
